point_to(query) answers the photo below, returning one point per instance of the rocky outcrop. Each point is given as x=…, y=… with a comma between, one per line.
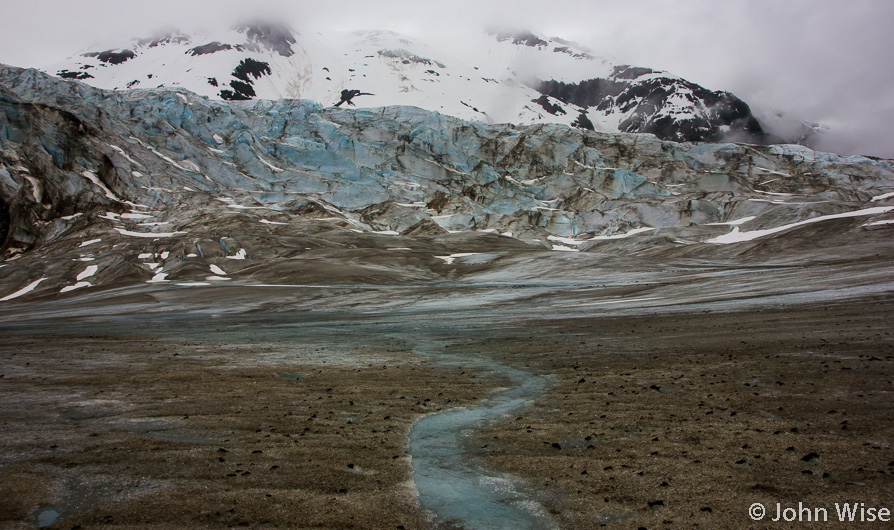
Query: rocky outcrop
x=642, y=100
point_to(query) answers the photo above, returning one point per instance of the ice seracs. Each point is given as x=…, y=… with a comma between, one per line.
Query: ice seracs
x=360, y=186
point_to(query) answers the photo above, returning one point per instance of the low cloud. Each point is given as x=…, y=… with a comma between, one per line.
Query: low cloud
x=821, y=62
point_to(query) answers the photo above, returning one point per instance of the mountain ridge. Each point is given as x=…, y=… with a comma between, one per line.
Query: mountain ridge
x=514, y=77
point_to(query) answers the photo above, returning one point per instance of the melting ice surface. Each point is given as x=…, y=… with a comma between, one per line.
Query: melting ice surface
x=453, y=485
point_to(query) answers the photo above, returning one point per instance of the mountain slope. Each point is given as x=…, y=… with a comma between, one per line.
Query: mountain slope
x=512, y=77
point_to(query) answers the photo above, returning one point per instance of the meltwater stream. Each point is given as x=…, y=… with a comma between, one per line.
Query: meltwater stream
x=456, y=488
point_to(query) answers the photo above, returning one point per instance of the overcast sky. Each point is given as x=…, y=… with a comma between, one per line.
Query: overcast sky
x=824, y=61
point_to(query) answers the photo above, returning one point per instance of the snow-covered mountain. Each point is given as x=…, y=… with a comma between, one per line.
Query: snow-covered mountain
x=512, y=77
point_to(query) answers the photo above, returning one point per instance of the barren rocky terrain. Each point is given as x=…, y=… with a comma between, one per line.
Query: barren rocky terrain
x=674, y=414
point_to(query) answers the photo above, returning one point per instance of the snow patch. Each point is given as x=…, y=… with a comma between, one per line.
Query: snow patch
x=158, y=278
x=147, y=234
x=879, y=223
x=625, y=234
x=92, y=241
x=239, y=255
x=451, y=258
x=25, y=290
x=124, y=154
x=75, y=286
x=89, y=175
x=88, y=272
x=135, y=216
x=772, y=172
x=271, y=166
x=563, y=248
x=565, y=240
x=737, y=237
x=36, y=188
x=217, y=270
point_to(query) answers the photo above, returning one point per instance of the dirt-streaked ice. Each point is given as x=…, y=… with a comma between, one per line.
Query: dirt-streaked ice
x=737, y=237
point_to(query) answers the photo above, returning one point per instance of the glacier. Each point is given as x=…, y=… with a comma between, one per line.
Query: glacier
x=269, y=181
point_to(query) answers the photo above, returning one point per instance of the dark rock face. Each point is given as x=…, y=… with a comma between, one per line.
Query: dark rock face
x=724, y=118
x=115, y=57
x=52, y=144
x=273, y=36
x=524, y=38
x=668, y=107
x=241, y=92
x=630, y=72
x=211, y=47
x=65, y=74
x=347, y=96
x=583, y=122
x=589, y=93
x=250, y=67
x=552, y=108
x=568, y=51
x=245, y=73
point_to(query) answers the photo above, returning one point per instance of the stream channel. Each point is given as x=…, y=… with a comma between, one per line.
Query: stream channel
x=451, y=482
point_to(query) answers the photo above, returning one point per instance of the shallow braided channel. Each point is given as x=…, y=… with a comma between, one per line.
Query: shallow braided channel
x=452, y=484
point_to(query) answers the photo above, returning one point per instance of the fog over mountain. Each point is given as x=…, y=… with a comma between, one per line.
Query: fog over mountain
x=819, y=63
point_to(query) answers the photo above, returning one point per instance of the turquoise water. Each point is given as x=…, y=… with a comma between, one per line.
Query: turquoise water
x=46, y=517
x=452, y=484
